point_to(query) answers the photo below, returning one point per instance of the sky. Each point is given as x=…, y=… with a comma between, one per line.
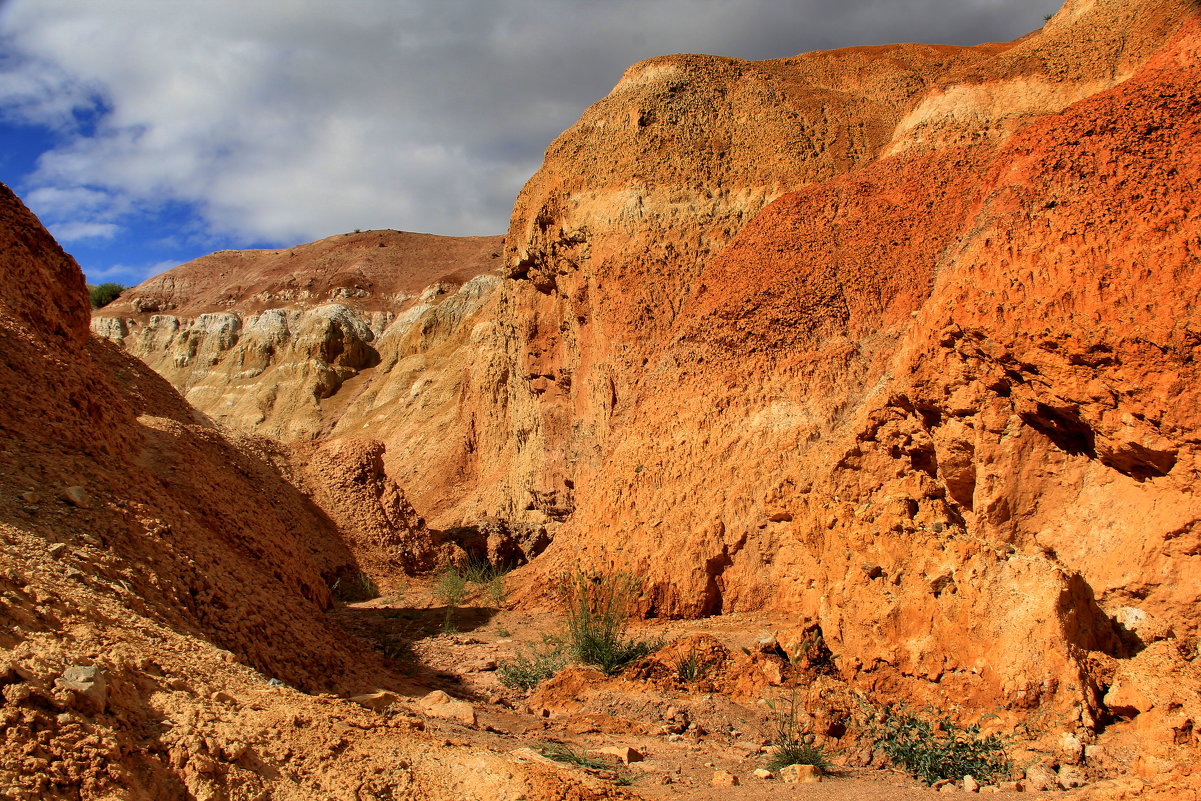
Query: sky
x=145, y=133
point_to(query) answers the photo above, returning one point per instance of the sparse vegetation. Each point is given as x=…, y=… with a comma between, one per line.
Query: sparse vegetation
x=790, y=744
x=598, y=607
x=451, y=588
x=532, y=666
x=354, y=587
x=562, y=752
x=103, y=294
x=940, y=749
x=490, y=579
x=692, y=667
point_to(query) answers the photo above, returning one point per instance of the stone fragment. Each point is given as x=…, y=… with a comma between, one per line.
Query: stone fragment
x=440, y=705
x=622, y=752
x=1069, y=749
x=77, y=497
x=88, y=684
x=1041, y=778
x=970, y=784
x=801, y=774
x=1071, y=777
x=763, y=773
x=379, y=701
x=56, y=550
x=722, y=778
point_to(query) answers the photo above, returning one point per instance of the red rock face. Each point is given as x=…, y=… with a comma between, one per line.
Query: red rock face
x=896, y=340
x=942, y=406
x=187, y=520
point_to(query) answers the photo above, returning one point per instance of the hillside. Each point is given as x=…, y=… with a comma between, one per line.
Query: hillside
x=893, y=343
x=165, y=591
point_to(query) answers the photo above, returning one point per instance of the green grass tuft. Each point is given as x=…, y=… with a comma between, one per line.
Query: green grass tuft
x=598, y=607
x=532, y=666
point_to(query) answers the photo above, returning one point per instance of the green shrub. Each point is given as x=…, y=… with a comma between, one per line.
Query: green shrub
x=532, y=666
x=692, y=667
x=942, y=749
x=451, y=588
x=490, y=579
x=103, y=294
x=496, y=589
x=598, y=607
x=790, y=744
x=562, y=752
x=354, y=587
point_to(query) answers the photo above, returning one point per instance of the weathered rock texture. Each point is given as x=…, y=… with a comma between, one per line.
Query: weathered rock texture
x=942, y=405
x=156, y=573
x=379, y=334
x=896, y=339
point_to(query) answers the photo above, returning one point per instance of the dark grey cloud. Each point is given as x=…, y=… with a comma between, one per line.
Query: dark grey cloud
x=284, y=120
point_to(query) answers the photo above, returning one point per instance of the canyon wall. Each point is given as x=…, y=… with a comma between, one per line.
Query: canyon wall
x=897, y=340
x=163, y=588
x=944, y=407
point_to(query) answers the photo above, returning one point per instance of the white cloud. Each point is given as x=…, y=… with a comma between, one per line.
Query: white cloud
x=285, y=120
x=81, y=231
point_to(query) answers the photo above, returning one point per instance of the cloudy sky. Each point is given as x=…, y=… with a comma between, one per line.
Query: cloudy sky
x=148, y=132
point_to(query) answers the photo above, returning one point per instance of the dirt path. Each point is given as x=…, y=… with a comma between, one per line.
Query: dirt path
x=684, y=733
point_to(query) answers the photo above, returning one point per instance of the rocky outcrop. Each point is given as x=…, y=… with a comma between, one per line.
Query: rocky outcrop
x=895, y=340
x=940, y=406
x=379, y=334
x=164, y=589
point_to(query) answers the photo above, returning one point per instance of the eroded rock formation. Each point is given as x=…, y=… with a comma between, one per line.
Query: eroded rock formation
x=163, y=589
x=898, y=340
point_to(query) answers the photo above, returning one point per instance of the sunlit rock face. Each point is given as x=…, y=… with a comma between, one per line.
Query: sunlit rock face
x=897, y=340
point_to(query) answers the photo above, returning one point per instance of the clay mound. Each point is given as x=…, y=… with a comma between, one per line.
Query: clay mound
x=370, y=271
x=163, y=589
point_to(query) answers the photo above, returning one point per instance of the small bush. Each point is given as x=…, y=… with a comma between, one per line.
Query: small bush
x=692, y=667
x=451, y=588
x=496, y=589
x=530, y=667
x=562, y=752
x=103, y=294
x=490, y=579
x=791, y=745
x=598, y=607
x=354, y=587
x=942, y=749
x=798, y=753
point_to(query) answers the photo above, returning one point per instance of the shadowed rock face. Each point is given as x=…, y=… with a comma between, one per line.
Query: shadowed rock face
x=163, y=587
x=898, y=339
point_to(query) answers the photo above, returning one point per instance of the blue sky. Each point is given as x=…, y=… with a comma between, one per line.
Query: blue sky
x=145, y=133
